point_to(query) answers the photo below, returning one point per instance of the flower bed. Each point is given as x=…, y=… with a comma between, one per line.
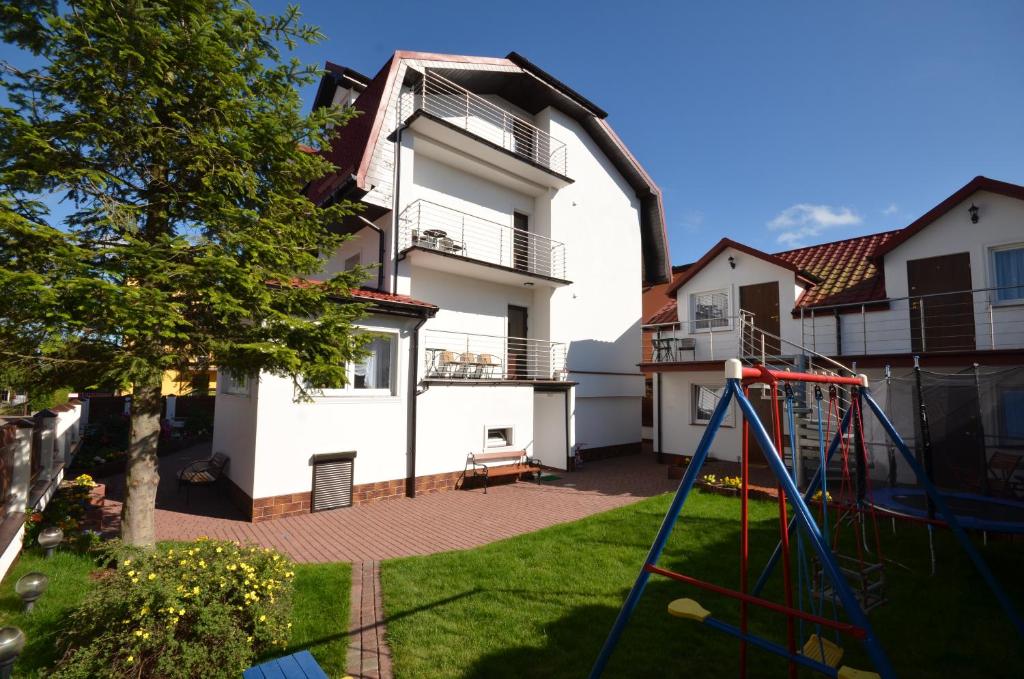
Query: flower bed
x=201, y=609
x=75, y=509
x=730, y=486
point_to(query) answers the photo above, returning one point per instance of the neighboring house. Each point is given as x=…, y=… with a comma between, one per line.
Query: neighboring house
x=948, y=288
x=197, y=381
x=660, y=313
x=510, y=227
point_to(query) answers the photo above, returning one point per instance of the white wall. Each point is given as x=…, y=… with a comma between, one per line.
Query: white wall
x=234, y=431
x=452, y=422
x=679, y=435
x=718, y=275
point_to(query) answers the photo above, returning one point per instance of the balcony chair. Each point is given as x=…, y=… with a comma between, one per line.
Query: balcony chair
x=470, y=364
x=490, y=366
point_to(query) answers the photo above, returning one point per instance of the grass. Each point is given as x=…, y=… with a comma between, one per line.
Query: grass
x=540, y=605
x=319, y=620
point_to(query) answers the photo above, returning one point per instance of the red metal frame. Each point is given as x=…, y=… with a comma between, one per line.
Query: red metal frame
x=763, y=374
x=845, y=628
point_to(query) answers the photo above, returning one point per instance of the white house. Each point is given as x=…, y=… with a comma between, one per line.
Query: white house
x=948, y=288
x=510, y=227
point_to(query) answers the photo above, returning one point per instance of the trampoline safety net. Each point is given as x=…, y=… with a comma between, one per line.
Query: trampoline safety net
x=975, y=426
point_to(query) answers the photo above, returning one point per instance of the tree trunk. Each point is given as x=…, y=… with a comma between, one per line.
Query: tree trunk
x=138, y=514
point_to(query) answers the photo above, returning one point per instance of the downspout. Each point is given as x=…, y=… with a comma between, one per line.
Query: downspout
x=410, y=434
x=380, y=251
x=657, y=421
x=568, y=432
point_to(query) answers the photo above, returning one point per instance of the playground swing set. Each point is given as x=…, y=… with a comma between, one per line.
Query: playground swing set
x=854, y=584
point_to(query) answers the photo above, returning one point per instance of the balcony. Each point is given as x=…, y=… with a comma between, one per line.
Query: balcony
x=471, y=128
x=460, y=243
x=466, y=357
x=966, y=322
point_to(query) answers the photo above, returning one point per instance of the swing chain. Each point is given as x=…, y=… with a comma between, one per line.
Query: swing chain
x=817, y=392
x=788, y=390
x=832, y=391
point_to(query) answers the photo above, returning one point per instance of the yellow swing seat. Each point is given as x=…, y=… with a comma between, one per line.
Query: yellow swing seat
x=688, y=608
x=824, y=651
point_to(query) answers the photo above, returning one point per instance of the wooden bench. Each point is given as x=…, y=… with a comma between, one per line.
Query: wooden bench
x=491, y=465
x=299, y=665
x=203, y=472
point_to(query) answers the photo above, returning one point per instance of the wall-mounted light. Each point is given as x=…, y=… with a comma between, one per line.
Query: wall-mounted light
x=973, y=209
x=732, y=261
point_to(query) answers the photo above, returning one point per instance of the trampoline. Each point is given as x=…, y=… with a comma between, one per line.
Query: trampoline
x=974, y=512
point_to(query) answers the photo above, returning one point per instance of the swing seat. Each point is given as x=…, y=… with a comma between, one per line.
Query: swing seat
x=824, y=651
x=689, y=609
x=846, y=672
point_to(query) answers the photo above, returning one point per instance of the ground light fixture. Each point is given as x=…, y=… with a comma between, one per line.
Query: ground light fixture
x=49, y=538
x=12, y=642
x=30, y=587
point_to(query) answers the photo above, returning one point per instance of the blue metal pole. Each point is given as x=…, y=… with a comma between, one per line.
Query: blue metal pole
x=948, y=516
x=685, y=486
x=806, y=519
x=771, y=647
x=762, y=580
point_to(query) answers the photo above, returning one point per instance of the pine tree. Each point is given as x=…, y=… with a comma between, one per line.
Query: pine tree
x=174, y=129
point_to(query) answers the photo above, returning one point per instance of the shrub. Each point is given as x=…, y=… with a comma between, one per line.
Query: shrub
x=182, y=611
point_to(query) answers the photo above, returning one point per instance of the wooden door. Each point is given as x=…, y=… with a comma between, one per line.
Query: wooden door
x=520, y=241
x=762, y=300
x=940, y=321
x=517, y=346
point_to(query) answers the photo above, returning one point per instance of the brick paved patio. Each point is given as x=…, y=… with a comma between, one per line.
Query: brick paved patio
x=403, y=527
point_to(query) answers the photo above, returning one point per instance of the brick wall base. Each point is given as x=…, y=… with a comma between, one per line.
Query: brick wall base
x=267, y=508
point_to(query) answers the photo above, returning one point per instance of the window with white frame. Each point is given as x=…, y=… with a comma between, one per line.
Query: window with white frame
x=709, y=310
x=232, y=384
x=374, y=375
x=498, y=437
x=1008, y=272
x=704, y=399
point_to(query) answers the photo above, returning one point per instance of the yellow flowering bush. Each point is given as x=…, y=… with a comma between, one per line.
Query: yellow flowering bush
x=817, y=496
x=181, y=611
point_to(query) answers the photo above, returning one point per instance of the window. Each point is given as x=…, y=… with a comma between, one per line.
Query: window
x=372, y=376
x=704, y=400
x=1011, y=407
x=233, y=385
x=709, y=310
x=498, y=437
x=1008, y=268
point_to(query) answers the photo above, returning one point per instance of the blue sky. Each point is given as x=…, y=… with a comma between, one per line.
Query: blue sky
x=775, y=123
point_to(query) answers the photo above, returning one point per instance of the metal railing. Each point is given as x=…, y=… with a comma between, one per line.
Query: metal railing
x=454, y=104
x=967, y=320
x=435, y=227
x=452, y=355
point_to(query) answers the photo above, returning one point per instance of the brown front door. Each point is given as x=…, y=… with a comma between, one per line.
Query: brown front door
x=940, y=321
x=762, y=300
x=517, y=354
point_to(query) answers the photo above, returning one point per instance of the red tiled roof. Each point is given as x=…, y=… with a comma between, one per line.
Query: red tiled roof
x=378, y=296
x=847, y=270
x=666, y=314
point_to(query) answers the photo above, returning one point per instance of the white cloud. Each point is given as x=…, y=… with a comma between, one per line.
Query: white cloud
x=799, y=222
x=692, y=221
x=891, y=210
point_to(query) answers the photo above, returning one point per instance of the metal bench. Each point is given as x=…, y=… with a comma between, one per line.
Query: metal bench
x=492, y=465
x=299, y=665
x=203, y=472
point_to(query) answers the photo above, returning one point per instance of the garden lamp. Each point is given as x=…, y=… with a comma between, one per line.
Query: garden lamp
x=12, y=641
x=30, y=587
x=49, y=538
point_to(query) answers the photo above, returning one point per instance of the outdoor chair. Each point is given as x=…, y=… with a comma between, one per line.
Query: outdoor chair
x=490, y=365
x=203, y=473
x=1001, y=470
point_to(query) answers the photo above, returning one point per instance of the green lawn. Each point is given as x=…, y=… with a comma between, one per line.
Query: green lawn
x=320, y=619
x=540, y=605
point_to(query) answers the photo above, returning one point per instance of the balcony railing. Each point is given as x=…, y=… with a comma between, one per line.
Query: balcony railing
x=434, y=227
x=456, y=105
x=965, y=321
x=982, y=319
x=467, y=356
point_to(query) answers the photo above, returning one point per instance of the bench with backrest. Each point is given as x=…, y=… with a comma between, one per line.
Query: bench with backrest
x=492, y=465
x=203, y=472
